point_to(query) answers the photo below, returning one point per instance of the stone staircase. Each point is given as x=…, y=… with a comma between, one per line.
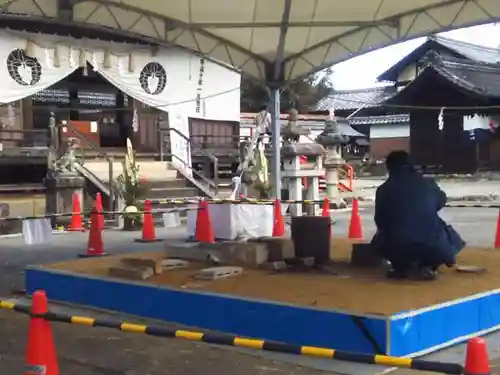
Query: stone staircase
x=164, y=180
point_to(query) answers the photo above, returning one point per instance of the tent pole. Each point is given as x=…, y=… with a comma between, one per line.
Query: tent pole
x=276, y=143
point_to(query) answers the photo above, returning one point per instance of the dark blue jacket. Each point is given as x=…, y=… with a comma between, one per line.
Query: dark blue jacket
x=406, y=213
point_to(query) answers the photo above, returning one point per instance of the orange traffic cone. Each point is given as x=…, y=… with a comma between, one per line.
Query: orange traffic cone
x=278, y=224
x=326, y=208
x=76, y=224
x=497, y=234
x=355, y=228
x=204, y=231
x=148, y=225
x=95, y=245
x=476, y=358
x=40, y=351
x=100, y=209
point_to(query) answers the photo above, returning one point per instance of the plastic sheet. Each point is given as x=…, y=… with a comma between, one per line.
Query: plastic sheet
x=231, y=222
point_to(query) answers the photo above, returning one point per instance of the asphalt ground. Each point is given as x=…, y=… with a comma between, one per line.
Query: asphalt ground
x=97, y=351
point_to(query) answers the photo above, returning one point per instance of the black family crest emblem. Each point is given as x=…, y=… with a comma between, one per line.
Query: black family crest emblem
x=23, y=69
x=153, y=78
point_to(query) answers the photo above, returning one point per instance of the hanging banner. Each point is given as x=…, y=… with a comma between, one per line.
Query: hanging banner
x=175, y=81
x=28, y=66
x=180, y=147
x=168, y=79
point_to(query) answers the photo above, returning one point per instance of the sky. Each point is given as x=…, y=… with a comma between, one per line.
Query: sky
x=361, y=72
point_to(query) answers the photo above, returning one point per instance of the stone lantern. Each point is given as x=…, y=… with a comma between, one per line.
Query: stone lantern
x=332, y=140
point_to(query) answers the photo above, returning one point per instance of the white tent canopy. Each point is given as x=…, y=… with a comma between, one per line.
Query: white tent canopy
x=252, y=35
x=272, y=40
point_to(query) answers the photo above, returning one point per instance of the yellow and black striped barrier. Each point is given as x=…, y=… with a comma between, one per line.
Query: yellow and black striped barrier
x=475, y=205
x=285, y=201
x=233, y=201
x=87, y=214
x=242, y=342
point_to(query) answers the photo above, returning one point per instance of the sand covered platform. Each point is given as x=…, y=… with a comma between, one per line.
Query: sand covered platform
x=334, y=305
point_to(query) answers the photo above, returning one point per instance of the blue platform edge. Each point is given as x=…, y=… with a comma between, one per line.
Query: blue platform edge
x=429, y=329
x=238, y=316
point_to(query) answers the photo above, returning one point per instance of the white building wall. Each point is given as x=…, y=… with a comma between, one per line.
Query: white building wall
x=389, y=131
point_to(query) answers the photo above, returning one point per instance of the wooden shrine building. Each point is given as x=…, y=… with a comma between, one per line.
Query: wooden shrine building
x=404, y=114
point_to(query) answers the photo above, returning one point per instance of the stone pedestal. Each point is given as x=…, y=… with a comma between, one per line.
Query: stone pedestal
x=333, y=161
x=59, y=195
x=293, y=173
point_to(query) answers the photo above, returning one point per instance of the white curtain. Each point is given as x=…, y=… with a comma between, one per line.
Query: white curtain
x=28, y=66
x=177, y=119
x=173, y=78
x=175, y=81
x=182, y=84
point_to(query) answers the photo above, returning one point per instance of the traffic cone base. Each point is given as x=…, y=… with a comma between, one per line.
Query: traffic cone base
x=142, y=240
x=476, y=358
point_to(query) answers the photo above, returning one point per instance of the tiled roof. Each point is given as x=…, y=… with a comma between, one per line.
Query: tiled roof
x=477, y=78
x=354, y=99
x=380, y=120
x=470, y=51
x=436, y=43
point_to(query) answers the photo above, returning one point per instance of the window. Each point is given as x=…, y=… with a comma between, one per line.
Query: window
x=103, y=99
x=53, y=95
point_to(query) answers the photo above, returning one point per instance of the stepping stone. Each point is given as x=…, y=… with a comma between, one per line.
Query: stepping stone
x=215, y=273
x=155, y=264
x=172, y=264
x=131, y=273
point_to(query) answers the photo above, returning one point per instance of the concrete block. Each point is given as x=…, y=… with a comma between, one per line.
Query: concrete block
x=188, y=251
x=251, y=254
x=279, y=248
x=155, y=264
x=131, y=273
x=215, y=273
x=363, y=255
x=173, y=264
x=277, y=266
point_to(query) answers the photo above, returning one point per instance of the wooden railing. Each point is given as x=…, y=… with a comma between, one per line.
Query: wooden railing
x=210, y=186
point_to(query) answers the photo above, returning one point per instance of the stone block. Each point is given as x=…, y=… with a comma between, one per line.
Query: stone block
x=155, y=264
x=215, y=273
x=188, y=251
x=173, y=264
x=251, y=254
x=276, y=266
x=363, y=255
x=131, y=273
x=279, y=248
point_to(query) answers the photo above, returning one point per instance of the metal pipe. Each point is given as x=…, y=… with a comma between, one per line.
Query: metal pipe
x=276, y=144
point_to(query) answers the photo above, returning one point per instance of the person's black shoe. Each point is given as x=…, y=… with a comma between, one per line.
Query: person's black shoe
x=425, y=274
x=396, y=274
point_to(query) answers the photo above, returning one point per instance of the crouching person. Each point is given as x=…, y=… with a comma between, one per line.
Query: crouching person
x=410, y=233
